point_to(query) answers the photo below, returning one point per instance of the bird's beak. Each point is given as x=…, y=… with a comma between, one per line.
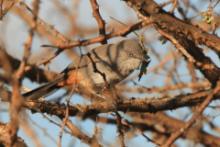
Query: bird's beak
x=144, y=65
x=146, y=58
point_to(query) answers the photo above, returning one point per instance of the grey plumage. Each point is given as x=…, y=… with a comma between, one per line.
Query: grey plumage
x=106, y=64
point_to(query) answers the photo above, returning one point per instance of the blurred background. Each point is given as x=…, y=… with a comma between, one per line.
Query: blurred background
x=168, y=74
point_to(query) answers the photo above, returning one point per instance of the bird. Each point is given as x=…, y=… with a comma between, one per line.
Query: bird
x=102, y=67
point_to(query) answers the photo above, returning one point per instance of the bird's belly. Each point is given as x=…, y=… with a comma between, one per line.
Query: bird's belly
x=101, y=74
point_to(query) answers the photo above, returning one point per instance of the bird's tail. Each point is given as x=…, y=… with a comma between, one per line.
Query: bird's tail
x=43, y=90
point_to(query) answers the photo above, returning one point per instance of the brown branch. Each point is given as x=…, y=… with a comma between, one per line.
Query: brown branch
x=6, y=66
x=182, y=35
x=99, y=19
x=14, y=109
x=123, y=32
x=34, y=72
x=162, y=124
x=131, y=105
x=167, y=127
x=136, y=106
x=5, y=136
x=6, y=6
x=120, y=129
x=16, y=99
x=78, y=133
x=196, y=116
x=173, y=24
x=29, y=40
x=195, y=55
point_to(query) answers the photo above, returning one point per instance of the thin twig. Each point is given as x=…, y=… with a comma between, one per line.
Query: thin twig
x=99, y=19
x=196, y=116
